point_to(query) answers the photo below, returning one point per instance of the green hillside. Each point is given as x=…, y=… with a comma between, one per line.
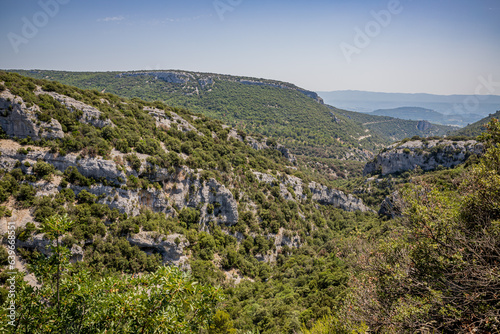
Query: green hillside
x=275, y=109
x=396, y=129
x=475, y=129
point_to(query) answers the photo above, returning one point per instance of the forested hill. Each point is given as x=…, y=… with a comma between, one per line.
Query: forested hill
x=475, y=129
x=294, y=117
x=396, y=129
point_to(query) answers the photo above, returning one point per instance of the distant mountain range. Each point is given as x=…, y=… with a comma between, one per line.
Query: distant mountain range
x=362, y=101
x=418, y=113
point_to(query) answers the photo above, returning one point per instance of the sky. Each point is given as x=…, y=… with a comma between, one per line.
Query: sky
x=406, y=46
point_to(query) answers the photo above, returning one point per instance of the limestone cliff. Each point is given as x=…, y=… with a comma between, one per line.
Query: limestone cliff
x=319, y=193
x=19, y=120
x=184, y=189
x=426, y=154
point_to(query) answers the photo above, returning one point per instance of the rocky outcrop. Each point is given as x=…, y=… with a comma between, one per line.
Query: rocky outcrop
x=19, y=218
x=170, y=77
x=42, y=245
x=390, y=206
x=205, y=82
x=320, y=193
x=189, y=192
x=193, y=192
x=428, y=155
x=261, y=145
x=185, y=188
x=88, y=167
x=312, y=95
x=181, y=192
x=37, y=242
x=337, y=198
x=130, y=201
x=90, y=115
x=281, y=239
x=164, y=120
x=19, y=120
x=286, y=153
x=170, y=247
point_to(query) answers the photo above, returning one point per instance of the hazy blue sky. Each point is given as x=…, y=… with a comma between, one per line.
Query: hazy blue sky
x=431, y=46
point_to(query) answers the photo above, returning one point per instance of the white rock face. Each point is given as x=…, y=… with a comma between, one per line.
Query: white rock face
x=130, y=201
x=209, y=192
x=337, y=198
x=184, y=190
x=426, y=155
x=17, y=120
x=90, y=115
x=88, y=167
x=320, y=193
x=186, y=193
x=391, y=205
x=171, y=251
x=162, y=120
x=40, y=243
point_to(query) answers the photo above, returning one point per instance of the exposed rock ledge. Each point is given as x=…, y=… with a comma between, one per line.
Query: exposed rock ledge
x=170, y=247
x=337, y=198
x=181, y=190
x=427, y=155
x=88, y=167
x=320, y=193
x=19, y=120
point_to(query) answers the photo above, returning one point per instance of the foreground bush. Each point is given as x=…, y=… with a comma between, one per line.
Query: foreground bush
x=166, y=301
x=75, y=301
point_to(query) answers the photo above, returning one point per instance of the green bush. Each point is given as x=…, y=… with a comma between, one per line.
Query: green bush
x=73, y=176
x=4, y=212
x=42, y=169
x=134, y=161
x=26, y=195
x=189, y=216
x=167, y=300
x=85, y=197
x=3, y=256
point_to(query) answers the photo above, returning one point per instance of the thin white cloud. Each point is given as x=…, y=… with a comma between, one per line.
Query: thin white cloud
x=112, y=19
x=188, y=19
x=180, y=19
